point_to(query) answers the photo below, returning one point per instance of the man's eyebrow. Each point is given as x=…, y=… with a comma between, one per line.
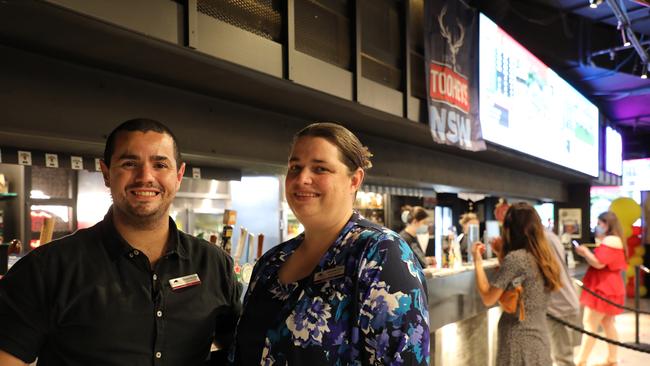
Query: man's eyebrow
x=159, y=158
x=127, y=156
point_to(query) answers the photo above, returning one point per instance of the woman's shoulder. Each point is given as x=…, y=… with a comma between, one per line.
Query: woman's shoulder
x=407, y=236
x=519, y=256
x=612, y=241
x=378, y=234
x=281, y=249
x=381, y=241
x=517, y=253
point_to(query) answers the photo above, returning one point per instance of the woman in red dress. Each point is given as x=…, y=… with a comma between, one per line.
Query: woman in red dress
x=604, y=278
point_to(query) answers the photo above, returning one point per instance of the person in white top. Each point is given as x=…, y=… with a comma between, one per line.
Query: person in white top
x=563, y=304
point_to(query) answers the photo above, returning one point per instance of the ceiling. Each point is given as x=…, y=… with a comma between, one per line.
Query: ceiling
x=584, y=46
x=565, y=34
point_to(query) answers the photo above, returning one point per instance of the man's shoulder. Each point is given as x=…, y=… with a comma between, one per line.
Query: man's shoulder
x=71, y=242
x=65, y=252
x=201, y=247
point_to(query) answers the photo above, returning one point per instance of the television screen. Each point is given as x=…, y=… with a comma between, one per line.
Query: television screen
x=526, y=106
x=613, y=151
x=636, y=174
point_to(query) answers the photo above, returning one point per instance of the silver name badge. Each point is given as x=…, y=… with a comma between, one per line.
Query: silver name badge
x=185, y=281
x=329, y=274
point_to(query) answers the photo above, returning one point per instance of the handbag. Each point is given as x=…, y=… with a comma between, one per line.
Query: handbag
x=511, y=300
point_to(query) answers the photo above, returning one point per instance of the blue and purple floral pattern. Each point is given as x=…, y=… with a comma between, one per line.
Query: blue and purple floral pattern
x=370, y=310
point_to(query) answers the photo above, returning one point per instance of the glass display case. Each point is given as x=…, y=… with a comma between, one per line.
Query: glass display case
x=52, y=194
x=371, y=205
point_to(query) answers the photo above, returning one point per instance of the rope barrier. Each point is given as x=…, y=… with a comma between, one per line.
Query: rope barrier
x=597, y=336
x=610, y=301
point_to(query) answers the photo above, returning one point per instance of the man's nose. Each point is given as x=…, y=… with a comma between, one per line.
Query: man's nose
x=145, y=173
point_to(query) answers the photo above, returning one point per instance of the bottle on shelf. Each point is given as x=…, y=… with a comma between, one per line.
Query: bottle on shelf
x=229, y=219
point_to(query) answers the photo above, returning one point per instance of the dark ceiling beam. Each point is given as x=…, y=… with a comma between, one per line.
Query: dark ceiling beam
x=643, y=119
x=629, y=12
x=617, y=49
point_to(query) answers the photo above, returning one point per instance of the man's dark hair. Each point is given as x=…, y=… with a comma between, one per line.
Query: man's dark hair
x=142, y=125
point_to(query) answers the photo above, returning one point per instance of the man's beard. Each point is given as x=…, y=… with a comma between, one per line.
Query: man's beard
x=142, y=220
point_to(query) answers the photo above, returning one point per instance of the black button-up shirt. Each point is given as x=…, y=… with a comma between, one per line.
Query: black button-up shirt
x=92, y=299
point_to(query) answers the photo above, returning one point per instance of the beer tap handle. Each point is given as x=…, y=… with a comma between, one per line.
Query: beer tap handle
x=260, y=245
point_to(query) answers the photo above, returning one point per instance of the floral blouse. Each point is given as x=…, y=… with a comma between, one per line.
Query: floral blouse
x=364, y=304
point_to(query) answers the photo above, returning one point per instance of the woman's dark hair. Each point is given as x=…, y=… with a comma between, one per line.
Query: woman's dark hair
x=141, y=125
x=353, y=154
x=522, y=229
x=416, y=213
x=613, y=227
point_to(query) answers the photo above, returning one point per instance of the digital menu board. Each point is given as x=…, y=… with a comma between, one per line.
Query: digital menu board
x=636, y=174
x=613, y=151
x=526, y=106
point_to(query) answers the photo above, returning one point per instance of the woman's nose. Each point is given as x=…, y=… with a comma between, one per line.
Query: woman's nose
x=305, y=177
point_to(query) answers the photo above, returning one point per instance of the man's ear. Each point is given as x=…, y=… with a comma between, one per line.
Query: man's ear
x=105, y=173
x=179, y=176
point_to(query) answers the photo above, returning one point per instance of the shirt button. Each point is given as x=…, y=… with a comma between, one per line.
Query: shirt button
x=136, y=252
x=155, y=276
x=158, y=355
x=159, y=313
x=130, y=255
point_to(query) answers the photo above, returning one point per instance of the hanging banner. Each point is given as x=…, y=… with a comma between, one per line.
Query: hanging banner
x=451, y=54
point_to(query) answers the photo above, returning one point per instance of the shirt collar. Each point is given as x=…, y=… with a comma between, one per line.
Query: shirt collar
x=117, y=246
x=329, y=257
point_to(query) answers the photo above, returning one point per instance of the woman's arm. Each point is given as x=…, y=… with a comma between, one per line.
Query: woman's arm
x=489, y=294
x=584, y=252
x=393, y=316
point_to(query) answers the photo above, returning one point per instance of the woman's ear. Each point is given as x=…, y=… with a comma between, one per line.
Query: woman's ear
x=357, y=179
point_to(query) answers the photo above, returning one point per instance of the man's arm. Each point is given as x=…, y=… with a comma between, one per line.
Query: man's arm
x=7, y=359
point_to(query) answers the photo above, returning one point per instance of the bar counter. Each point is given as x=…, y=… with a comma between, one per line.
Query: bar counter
x=453, y=295
x=463, y=330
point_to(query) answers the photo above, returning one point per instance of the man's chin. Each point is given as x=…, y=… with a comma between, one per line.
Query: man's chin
x=143, y=215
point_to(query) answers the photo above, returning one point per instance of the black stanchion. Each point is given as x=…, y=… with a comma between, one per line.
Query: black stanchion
x=4, y=258
x=637, y=295
x=637, y=345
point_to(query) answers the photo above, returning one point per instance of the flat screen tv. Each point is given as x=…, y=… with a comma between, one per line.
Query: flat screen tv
x=613, y=151
x=636, y=174
x=526, y=106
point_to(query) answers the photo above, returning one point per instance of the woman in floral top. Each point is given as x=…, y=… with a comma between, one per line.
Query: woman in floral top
x=344, y=292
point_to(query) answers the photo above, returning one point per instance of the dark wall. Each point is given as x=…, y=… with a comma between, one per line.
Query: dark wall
x=579, y=196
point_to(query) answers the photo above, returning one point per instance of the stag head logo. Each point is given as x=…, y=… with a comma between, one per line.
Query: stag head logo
x=454, y=46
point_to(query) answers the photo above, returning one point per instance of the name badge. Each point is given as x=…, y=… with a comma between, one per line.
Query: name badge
x=329, y=274
x=185, y=281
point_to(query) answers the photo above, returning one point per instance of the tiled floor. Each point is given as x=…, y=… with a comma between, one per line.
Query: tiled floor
x=625, y=324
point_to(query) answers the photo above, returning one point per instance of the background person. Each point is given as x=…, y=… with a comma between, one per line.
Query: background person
x=345, y=291
x=467, y=219
x=106, y=295
x=604, y=278
x=526, y=260
x=416, y=220
x=564, y=304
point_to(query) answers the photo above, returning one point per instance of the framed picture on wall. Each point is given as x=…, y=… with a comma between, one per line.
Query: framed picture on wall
x=570, y=222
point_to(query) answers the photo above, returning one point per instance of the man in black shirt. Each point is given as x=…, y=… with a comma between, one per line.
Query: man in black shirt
x=131, y=290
